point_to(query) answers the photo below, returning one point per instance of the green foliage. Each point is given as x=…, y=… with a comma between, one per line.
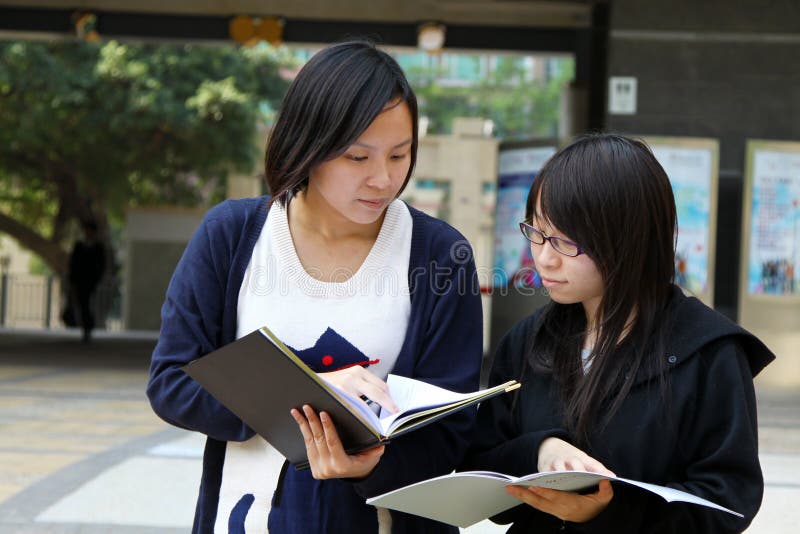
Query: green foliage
x=39, y=267
x=520, y=107
x=94, y=127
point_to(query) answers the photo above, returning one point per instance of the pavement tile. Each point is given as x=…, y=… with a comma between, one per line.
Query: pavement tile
x=18, y=373
x=23, y=469
x=54, y=385
x=54, y=444
x=779, y=440
x=121, y=495
x=34, y=463
x=26, y=428
x=13, y=404
x=7, y=489
x=778, y=513
x=105, y=416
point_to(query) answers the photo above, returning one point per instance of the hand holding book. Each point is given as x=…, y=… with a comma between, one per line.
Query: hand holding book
x=558, y=455
x=327, y=457
x=576, y=507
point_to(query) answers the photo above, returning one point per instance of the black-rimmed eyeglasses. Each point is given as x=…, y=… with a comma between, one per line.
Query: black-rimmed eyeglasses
x=559, y=244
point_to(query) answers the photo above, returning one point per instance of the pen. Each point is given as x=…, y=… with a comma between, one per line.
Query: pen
x=365, y=363
x=367, y=400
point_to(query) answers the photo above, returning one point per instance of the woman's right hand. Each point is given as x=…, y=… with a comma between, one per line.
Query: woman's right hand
x=326, y=455
x=557, y=455
x=357, y=381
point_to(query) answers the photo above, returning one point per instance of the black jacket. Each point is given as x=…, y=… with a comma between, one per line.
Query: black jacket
x=701, y=437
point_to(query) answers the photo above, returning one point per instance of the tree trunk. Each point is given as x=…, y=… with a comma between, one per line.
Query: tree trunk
x=51, y=252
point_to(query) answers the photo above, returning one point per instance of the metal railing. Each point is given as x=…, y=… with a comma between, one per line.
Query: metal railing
x=37, y=301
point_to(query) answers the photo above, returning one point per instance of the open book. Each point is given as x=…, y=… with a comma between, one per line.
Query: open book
x=417, y=403
x=260, y=379
x=464, y=498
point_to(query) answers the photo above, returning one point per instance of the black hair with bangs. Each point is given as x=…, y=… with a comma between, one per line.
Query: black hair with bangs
x=609, y=194
x=331, y=102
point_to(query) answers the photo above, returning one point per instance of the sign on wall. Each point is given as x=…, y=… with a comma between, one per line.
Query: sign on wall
x=622, y=95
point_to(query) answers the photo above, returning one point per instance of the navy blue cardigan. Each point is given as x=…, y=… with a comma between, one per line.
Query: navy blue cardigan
x=443, y=346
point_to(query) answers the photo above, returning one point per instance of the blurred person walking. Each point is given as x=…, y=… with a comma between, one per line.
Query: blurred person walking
x=86, y=268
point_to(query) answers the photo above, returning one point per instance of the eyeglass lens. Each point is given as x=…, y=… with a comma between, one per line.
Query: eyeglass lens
x=535, y=236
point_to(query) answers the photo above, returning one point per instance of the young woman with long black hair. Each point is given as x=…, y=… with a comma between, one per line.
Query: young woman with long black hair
x=622, y=373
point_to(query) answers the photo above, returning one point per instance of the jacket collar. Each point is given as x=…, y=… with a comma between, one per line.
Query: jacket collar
x=696, y=326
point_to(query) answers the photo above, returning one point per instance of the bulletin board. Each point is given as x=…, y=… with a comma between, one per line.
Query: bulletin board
x=769, y=290
x=692, y=165
x=771, y=222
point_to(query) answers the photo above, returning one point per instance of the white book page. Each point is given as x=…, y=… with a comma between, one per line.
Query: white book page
x=460, y=499
x=409, y=394
x=489, y=474
x=578, y=480
x=561, y=480
x=672, y=494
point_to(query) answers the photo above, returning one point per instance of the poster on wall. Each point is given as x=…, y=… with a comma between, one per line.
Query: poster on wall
x=691, y=165
x=773, y=231
x=517, y=168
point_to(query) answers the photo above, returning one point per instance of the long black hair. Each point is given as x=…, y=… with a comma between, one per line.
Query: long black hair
x=609, y=194
x=332, y=101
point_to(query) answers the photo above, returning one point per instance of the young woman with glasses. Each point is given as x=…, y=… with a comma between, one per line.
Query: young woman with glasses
x=355, y=281
x=622, y=374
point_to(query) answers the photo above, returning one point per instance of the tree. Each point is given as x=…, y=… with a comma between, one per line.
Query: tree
x=520, y=107
x=88, y=128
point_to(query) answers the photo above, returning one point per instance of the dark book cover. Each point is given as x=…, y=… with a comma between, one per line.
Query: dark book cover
x=260, y=380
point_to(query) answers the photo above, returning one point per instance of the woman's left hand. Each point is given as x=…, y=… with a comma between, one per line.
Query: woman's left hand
x=566, y=506
x=326, y=455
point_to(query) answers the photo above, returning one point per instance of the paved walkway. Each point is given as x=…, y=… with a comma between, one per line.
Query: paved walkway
x=82, y=453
